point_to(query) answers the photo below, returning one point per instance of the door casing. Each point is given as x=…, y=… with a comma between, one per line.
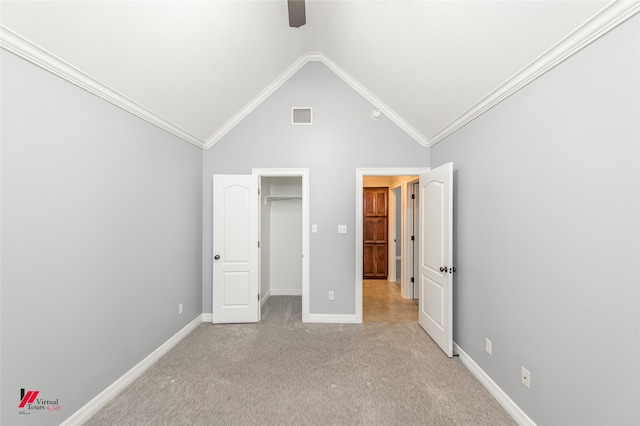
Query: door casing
x=304, y=252
x=360, y=174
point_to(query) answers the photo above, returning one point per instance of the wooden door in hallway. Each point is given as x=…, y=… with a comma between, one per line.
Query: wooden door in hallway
x=375, y=233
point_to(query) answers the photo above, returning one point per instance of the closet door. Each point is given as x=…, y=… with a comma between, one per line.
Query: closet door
x=375, y=233
x=235, y=249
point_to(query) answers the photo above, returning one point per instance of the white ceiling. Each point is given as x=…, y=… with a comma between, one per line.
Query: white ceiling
x=197, y=64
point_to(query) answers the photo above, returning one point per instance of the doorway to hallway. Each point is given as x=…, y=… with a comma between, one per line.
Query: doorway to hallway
x=383, y=302
x=389, y=298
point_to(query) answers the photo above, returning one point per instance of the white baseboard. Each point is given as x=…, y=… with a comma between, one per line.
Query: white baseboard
x=265, y=297
x=286, y=292
x=207, y=317
x=89, y=409
x=330, y=318
x=507, y=403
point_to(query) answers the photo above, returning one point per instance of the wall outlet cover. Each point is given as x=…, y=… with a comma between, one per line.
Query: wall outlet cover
x=525, y=378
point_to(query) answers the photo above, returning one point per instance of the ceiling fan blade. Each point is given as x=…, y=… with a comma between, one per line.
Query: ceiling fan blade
x=297, y=15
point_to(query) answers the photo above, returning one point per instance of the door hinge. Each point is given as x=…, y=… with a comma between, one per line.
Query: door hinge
x=258, y=191
x=258, y=244
x=413, y=196
x=258, y=296
x=412, y=279
x=413, y=238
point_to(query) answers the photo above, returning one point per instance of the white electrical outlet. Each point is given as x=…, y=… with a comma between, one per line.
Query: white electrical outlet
x=525, y=378
x=331, y=295
x=314, y=229
x=342, y=229
x=487, y=345
x=180, y=308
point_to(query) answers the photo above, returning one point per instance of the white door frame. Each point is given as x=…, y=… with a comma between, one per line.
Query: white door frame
x=360, y=174
x=305, y=253
x=393, y=237
x=410, y=261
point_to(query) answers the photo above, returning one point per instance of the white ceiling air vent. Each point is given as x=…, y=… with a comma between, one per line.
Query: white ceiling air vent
x=301, y=115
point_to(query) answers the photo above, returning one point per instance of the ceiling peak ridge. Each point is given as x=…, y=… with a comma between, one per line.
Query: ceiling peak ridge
x=608, y=18
x=26, y=49
x=336, y=69
x=255, y=102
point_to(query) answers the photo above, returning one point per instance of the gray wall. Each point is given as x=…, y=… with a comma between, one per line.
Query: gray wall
x=546, y=237
x=342, y=138
x=101, y=239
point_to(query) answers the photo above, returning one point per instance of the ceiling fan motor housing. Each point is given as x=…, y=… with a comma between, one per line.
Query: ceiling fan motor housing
x=297, y=13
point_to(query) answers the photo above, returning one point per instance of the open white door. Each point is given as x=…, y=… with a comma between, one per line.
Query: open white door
x=235, y=249
x=436, y=255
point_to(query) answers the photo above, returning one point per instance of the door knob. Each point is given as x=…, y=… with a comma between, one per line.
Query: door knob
x=216, y=257
x=443, y=269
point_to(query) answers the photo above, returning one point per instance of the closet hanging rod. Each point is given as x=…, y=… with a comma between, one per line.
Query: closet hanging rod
x=270, y=198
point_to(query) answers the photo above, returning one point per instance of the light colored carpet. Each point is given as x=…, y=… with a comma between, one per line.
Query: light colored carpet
x=285, y=372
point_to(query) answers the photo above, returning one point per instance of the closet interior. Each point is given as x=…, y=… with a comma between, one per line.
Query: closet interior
x=280, y=236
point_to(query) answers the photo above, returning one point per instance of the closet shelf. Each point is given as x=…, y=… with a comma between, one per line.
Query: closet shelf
x=269, y=199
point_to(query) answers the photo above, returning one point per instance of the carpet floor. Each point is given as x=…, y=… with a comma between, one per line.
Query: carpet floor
x=281, y=371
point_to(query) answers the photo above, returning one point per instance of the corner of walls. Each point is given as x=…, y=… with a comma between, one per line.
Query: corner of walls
x=92, y=407
x=29, y=51
x=342, y=138
x=503, y=399
x=101, y=220
x=547, y=194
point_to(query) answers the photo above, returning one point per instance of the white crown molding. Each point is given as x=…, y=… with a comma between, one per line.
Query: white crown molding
x=20, y=46
x=507, y=403
x=294, y=68
x=369, y=96
x=601, y=23
x=255, y=102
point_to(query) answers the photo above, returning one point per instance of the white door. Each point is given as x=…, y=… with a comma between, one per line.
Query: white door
x=436, y=255
x=235, y=249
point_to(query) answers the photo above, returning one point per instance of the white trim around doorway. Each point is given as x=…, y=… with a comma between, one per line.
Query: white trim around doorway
x=304, y=174
x=360, y=174
x=407, y=266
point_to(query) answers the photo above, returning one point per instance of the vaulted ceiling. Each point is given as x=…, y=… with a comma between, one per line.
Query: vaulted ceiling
x=200, y=65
